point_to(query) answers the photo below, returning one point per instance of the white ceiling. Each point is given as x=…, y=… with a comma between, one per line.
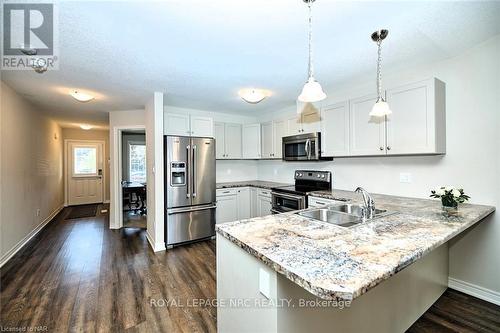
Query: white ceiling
x=201, y=53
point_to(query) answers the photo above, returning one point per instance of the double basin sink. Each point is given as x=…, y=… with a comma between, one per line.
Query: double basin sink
x=344, y=215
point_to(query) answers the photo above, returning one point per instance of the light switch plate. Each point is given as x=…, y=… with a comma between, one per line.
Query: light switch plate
x=405, y=177
x=264, y=287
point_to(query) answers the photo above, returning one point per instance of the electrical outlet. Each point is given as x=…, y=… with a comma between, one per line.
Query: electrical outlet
x=405, y=177
x=38, y=212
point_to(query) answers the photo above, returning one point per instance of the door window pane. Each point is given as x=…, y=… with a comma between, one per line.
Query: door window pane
x=137, y=163
x=85, y=161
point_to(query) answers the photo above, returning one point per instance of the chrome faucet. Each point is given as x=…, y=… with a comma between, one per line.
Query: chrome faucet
x=369, y=204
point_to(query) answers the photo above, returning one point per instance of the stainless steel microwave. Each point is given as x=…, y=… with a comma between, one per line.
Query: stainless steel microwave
x=302, y=147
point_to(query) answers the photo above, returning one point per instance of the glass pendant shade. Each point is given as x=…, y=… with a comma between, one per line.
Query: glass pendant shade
x=380, y=109
x=312, y=92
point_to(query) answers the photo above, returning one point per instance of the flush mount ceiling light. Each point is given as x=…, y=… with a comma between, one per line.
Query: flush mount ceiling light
x=253, y=96
x=80, y=96
x=85, y=127
x=312, y=91
x=381, y=108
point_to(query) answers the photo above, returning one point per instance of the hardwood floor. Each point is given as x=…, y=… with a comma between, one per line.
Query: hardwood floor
x=77, y=275
x=457, y=312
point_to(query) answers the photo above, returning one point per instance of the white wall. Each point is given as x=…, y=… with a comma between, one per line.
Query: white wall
x=119, y=120
x=236, y=170
x=31, y=171
x=155, y=173
x=472, y=160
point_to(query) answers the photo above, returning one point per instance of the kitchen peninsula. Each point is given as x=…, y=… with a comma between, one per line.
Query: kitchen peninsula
x=387, y=271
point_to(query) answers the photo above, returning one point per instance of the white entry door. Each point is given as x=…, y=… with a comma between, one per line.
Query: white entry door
x=84, y=172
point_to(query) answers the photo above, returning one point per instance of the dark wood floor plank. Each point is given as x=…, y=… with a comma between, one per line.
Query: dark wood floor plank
x=80, y=276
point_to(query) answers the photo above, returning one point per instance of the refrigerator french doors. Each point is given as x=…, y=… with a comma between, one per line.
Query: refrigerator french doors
x=189, y=189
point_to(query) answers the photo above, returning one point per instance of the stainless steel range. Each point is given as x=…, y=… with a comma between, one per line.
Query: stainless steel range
x=294, y=197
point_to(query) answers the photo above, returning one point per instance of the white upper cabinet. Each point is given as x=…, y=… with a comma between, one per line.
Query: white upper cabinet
x=293, y=125
x=267, y=139
x=279, y=131
x=271, y=135
x=227, y=141
x=307, y=120
x=177, y=124
x=335, y=130
x=251, y=141
x=367, y=134
x=220, y=138
x=202, y=127
x=310, y=119
x=187, y=125
x=232, y=140
x=417, y=123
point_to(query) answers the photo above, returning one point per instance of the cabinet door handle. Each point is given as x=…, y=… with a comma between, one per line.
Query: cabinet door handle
x=381, y=148
x=388, y=147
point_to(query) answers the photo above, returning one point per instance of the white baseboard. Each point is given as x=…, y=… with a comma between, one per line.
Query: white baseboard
x=6, y=257
x=475, y=290
x=154, y=247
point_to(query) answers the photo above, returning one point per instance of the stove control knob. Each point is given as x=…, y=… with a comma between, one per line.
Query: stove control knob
x=322, y=176
x=318, y=176
x=297, y=175
x=300, y=175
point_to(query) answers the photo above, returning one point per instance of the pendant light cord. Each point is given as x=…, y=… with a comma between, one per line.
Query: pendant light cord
x=379, y=69
x=310, y=67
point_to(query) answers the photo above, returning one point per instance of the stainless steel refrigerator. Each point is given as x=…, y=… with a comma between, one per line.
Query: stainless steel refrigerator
x=189, y=189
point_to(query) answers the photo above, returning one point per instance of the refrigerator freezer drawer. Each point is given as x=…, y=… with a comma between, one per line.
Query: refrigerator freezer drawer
x=190, y=224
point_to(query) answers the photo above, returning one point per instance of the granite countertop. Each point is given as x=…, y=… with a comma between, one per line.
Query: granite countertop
x=333, y=262
x=252, y=183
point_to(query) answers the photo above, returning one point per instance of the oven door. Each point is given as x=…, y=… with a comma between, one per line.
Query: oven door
x=301, y=147
x=284, y=202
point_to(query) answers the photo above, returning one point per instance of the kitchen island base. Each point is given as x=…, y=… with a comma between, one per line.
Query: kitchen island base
x=392, y=306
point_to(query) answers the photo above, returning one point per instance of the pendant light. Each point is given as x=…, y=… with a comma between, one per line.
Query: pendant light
x=312, y=91
x=381, y=108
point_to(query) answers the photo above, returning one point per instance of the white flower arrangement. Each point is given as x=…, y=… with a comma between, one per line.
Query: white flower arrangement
x=449, y=195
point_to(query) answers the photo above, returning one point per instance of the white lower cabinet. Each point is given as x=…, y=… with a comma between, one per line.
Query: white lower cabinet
x=244, y=203
x=239, y=203
x=227, y=206
x=253, y=202
x=264, y=203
